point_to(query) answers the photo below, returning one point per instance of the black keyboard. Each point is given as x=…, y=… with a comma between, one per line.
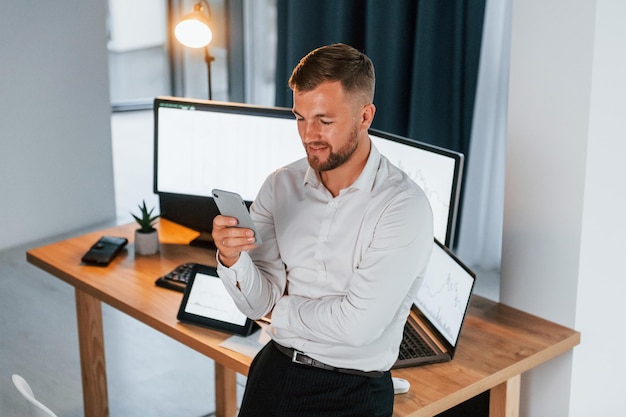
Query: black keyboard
x=176, y=279
x=413, y=346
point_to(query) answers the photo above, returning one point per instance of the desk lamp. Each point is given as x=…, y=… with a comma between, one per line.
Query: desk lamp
x=194, y=31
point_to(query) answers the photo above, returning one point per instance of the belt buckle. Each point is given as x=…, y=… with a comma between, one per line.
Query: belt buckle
x=301, y=358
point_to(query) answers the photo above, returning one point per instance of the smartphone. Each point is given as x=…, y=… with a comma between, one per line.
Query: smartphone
x=232, y=205
x=104, y=250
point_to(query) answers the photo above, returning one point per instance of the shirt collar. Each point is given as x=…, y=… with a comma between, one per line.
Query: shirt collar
x=364, y=182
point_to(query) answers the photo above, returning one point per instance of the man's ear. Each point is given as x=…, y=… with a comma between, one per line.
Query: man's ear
x=367, y=116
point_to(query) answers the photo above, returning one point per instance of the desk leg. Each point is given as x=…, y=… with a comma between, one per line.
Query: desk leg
x=91, y=343
x=225, y=391
x=504, y=398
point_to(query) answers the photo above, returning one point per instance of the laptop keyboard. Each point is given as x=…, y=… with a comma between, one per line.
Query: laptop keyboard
x=412, y=345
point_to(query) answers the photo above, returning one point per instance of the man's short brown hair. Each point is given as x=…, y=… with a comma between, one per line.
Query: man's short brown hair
x=337, y=62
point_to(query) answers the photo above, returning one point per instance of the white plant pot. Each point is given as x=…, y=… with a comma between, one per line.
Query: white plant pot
x=146, y=243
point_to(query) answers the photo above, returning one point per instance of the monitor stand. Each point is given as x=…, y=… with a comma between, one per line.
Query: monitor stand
x=205, y=240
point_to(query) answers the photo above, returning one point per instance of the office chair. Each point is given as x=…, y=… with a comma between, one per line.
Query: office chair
x=36, y=408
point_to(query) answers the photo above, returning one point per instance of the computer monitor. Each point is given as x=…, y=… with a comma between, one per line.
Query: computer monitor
x=437, y=170
x=200, y=145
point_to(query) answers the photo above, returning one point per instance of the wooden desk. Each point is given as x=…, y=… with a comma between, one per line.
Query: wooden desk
x=497, y=343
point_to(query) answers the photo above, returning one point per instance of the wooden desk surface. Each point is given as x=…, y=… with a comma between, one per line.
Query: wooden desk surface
x=497, y=342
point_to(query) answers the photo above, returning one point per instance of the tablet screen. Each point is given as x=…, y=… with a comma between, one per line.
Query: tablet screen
x=208, y=298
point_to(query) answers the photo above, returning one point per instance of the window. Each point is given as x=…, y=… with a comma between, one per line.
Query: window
x=146, y=61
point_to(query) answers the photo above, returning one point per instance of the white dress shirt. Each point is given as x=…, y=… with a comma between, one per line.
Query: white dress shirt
x=338, y=273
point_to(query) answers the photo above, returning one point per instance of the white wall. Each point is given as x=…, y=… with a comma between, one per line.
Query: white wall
x=56, y=170
x=564, y=204
x=136, y=24
x=597, y=385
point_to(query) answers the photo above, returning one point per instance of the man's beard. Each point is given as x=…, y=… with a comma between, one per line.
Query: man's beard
x=335, y=159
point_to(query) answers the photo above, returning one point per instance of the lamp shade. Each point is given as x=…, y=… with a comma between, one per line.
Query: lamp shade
x=193, y=30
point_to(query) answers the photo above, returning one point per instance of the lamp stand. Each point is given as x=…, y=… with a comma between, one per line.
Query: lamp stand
x=208, y=58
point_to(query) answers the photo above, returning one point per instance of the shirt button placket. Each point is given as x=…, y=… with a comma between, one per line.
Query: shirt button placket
x=324, y=232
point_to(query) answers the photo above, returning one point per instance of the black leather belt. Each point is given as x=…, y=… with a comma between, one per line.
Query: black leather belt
x=302, y=359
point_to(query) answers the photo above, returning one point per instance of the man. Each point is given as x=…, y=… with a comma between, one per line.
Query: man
x=346, y=238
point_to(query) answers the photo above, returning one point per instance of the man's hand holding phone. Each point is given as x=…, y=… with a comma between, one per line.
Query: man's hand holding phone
x=233, y=230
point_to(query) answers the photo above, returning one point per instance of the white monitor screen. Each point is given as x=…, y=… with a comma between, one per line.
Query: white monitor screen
x=445, y=292
x=437, y=171
x=201, y=150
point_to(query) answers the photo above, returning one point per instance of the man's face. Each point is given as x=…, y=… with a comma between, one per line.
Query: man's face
x=329, y=123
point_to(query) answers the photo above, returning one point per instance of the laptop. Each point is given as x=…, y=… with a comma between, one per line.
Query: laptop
x=432, y=330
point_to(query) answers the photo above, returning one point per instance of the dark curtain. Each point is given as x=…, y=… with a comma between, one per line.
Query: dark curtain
x=425, y=53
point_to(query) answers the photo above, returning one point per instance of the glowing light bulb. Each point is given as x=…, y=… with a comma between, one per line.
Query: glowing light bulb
x=193, y=32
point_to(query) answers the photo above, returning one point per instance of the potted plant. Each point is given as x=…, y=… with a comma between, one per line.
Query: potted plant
x=146, y=237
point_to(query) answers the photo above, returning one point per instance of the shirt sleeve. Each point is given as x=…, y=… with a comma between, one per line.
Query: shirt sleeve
x=256, y=286
x=397, y=256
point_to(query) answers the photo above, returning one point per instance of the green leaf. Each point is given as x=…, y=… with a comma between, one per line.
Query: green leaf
x=145, y=219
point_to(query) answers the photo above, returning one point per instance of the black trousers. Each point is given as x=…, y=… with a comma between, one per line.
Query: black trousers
x=277, y=387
